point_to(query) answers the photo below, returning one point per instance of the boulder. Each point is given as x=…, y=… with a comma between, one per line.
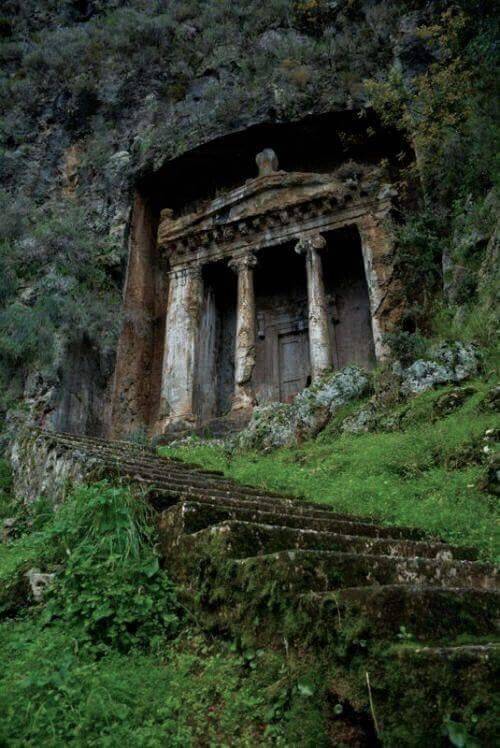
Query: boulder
x=285, y=424
x=448, y=362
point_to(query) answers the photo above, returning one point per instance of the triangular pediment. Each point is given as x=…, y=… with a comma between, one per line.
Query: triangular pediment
x=266, y=209
x=257, y=196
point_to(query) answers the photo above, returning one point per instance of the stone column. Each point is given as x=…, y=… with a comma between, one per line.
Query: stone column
x=185, y=298
x=320, y=348
x=244, y=356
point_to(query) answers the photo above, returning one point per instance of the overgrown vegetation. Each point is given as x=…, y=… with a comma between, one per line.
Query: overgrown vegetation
x=95, y=94
x=420, y=467
x=110, y=656
x=448, y=111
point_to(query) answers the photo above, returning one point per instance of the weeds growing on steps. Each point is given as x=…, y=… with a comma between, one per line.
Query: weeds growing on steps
x=107, y=658
x=417, y=467
x=108, y=583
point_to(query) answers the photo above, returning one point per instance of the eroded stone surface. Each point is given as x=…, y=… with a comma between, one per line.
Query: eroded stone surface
x=283, y=424
x=448, y=362
x=273, y=209
x=38, y=583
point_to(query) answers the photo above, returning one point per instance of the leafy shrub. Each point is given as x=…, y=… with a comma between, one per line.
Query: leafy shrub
x=406, y=347
x=112, y=589
x=5, y=488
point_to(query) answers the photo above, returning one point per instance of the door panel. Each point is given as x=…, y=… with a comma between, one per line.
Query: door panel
x=293, y=363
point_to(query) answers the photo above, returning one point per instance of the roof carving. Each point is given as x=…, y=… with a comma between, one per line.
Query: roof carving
x=265, y=208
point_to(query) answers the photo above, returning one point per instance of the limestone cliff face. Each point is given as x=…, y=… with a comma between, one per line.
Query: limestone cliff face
x=99, y=98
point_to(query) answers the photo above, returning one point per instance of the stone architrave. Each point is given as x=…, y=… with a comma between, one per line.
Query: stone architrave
x=185, y=300
x=244, y=357
x=319, y=334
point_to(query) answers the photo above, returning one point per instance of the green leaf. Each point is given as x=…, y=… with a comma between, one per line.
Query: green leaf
x=305, y=689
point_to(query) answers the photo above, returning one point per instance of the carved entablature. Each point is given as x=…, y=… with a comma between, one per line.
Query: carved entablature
x=272, y=209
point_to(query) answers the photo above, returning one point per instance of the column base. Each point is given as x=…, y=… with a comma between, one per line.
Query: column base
x=222, y=427
x=174, y=425
x=242, y=401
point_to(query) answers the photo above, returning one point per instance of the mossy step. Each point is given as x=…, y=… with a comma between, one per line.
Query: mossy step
x=457, y=653
x=82, y=438
x=400, y=611
x=120, y=448
x=166, y=475
x=139, y=459
x=164, y=495
x=294, y=572
x=432, y=685
x=196, y=513
x=238, y=539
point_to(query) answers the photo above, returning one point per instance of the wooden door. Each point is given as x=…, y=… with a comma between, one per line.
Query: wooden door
x=294, y=365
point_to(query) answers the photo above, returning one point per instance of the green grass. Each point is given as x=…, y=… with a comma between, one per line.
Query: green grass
x=195, y=692
x=426, y=474
x=110, y=658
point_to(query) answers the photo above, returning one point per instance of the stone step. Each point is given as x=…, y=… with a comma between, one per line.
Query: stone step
x=433, y=683
x=400, y=611
x=120, y=449
x=295, y=572
x=163, y=475
x=164, y=494
x=144, y=459
x=236, y=539
x=175, y=484
x=85, y=439
x=158, y=468
x=191, y=515
x=462, y=652
x=159, y=475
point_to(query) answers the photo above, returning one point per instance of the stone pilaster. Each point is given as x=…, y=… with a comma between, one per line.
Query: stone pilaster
x=377, y=245
x=185, y=298
x=320, y=348
x=244, y=357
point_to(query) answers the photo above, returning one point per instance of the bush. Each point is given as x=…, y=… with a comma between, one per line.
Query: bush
x=112, y=590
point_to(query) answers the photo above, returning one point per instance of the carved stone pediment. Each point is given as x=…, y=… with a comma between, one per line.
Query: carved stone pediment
x=262, y=210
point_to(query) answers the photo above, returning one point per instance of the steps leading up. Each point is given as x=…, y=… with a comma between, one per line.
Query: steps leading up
x=404, y=612
x=263, y=565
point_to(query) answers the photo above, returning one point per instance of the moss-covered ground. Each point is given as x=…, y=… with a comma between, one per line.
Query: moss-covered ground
x=111, y=656
x=419, y=468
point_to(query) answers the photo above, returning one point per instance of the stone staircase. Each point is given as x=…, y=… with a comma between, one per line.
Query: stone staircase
x=266, y=567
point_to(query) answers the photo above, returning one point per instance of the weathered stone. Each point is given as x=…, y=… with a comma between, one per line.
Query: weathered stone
x=241, y=539
x=270, y=211
x=360, y=422
x=245, y=332
x=320, y=349
x=38, y=583
x=267, y=161
x=181, y=342
x=283, y=424
x=447, y=363
x=450, y=401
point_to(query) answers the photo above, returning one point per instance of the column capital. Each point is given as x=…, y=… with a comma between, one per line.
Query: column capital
x=309, y=242
x=182, y=272
x=243, y=262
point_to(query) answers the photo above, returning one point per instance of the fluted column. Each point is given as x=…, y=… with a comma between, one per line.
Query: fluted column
x=320, y=348
x=185, y=298
x=244, y=356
